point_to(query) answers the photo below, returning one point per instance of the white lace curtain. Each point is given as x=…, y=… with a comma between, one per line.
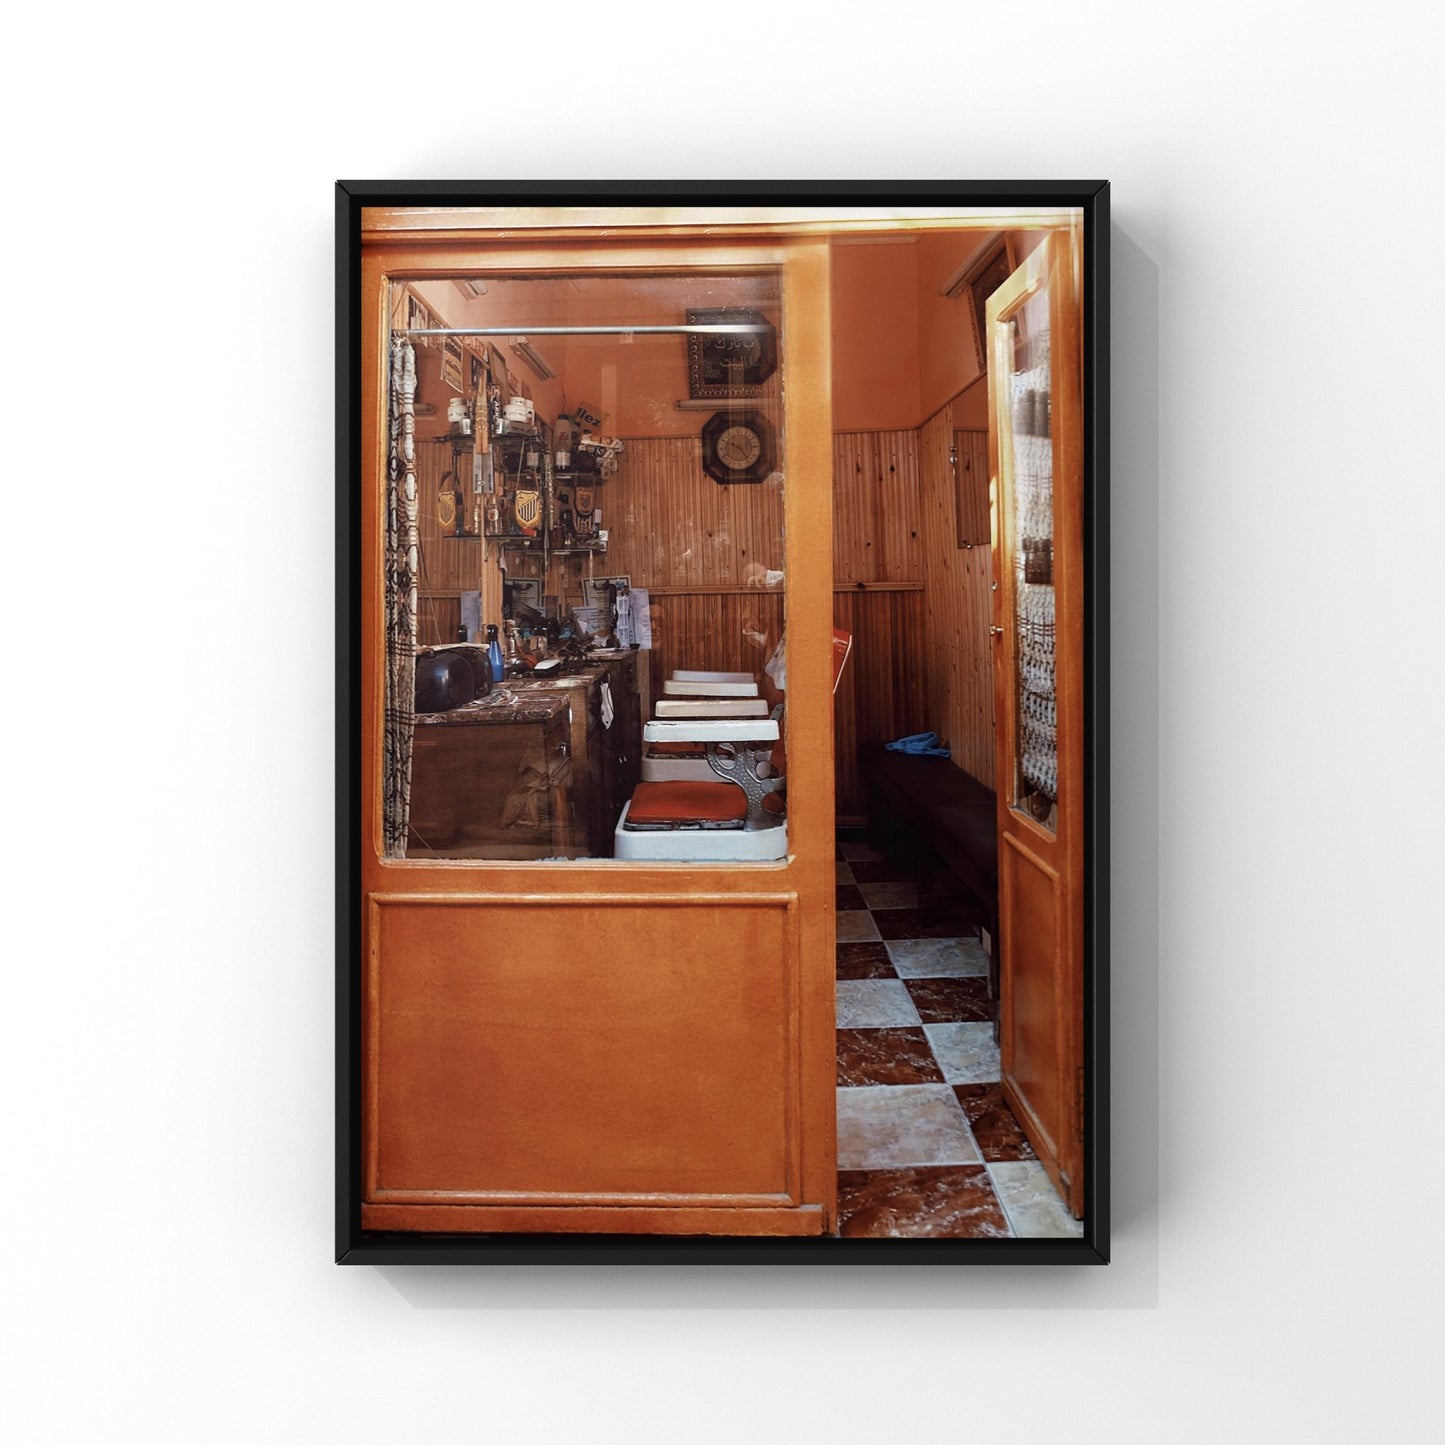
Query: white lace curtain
x=401, y=601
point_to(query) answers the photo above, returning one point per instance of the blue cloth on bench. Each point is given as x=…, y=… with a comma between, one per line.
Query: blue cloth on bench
x=923, y=744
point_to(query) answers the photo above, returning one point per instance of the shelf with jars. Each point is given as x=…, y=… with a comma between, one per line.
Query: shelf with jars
x=535, y=504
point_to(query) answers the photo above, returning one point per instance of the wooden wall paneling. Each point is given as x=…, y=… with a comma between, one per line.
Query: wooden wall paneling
x=718, y=632
x=671, y=525
x=877, y=543
x=875, y=507
x=957, y=612
x=449, y=565
x=970, y=454
x=882, y=695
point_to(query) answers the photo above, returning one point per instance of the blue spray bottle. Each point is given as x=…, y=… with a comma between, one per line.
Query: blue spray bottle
x=494, y=654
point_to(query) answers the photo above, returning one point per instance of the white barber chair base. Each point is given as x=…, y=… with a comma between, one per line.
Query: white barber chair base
x=702, y=845
x=740, y=825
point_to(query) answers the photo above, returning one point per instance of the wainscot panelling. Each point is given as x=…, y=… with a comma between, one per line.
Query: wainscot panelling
x=882, y=694
x=714, y=631
x=875, y=507
x=958, y=596
x=671, y=525
x=449, y=565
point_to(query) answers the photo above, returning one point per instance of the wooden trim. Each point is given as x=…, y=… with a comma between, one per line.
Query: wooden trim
x=802, y=1221
x=476, y=224
x=705, y=591
x=550, y=1199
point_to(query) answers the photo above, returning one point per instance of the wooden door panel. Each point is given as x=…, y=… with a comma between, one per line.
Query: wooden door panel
x=588, y=1046
x=1032, y=986
x=1035, y=461
x=649, y=1062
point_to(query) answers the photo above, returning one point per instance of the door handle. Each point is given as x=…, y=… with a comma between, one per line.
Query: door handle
x=995, y=632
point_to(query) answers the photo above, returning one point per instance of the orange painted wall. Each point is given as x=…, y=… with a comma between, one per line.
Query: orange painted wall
x=948, y=357
x=948, y=360
x=633, y=384
x=875, y=337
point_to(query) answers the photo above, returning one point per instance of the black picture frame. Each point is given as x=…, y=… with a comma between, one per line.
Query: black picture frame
x=982, y=280
x=355, y=1246
x=723, y=367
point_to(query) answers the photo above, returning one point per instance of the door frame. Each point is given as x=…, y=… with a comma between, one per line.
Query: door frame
x=379, y=214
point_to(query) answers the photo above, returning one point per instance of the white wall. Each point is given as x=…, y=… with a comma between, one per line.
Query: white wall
x=1278, y=782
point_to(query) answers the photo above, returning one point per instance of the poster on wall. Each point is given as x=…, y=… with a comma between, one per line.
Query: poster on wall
x=632, y=965
x=452, y=362
x=733, y=361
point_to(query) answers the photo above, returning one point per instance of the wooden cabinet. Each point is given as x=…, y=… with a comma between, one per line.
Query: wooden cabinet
x=605, y=735
x=493, y=781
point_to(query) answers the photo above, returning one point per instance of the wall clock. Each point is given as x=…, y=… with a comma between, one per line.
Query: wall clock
x=737, y=446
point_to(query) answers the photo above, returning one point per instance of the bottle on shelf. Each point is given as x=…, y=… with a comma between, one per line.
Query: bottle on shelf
x=495, y=661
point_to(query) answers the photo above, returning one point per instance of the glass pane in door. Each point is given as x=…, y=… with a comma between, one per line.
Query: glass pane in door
x=1035, y=781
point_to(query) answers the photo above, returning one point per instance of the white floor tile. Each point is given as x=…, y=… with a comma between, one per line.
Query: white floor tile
x=875, y=1003
x=884, y=1128
x=1031, y=1201
x=938, y=957
x=966, y=1053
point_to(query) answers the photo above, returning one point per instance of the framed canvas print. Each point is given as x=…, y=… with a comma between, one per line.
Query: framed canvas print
x=776, y=939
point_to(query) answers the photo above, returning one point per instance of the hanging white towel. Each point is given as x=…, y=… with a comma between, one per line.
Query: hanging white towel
x=607, y=713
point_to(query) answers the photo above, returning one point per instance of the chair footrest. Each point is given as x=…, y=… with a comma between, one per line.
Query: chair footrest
x=684, y=804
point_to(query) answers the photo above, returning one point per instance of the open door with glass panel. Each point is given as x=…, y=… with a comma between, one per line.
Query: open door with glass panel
x=574, y=1021
x=1036, y=462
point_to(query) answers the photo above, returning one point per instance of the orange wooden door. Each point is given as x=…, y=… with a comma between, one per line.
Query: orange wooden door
x=593, y=1045
x=1035, y=461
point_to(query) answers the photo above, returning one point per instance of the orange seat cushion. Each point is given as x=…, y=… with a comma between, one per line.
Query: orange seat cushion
x=687, y=802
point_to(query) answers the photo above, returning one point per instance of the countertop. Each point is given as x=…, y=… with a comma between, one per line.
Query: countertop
x=529, y=705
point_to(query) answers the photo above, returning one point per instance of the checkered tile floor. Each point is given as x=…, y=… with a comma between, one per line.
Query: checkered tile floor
x=926, y=1144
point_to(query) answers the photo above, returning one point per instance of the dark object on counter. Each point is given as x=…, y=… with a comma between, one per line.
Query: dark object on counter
x=444, y=680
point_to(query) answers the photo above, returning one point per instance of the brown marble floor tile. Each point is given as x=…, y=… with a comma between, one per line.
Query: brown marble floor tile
x=881, y=873
x=940, y=1201
x=889, y=895
x=886, y=1056
x=951, y=1000
x=905, y=923
x=848, y=896
x=855, y=925
x=995, y=1129
x=864, y=960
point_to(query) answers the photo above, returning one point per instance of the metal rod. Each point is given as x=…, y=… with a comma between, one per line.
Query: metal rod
x=731, y=329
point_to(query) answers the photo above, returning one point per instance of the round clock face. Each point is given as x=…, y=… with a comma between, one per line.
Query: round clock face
x=739, y=447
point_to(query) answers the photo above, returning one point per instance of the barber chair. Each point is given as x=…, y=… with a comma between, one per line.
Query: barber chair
x=698, y=695
x=737, y=816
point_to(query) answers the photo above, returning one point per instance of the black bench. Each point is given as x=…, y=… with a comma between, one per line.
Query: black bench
x=932, y=807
